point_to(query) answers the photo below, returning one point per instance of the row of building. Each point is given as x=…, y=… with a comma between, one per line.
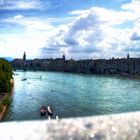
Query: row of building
x=99, y=66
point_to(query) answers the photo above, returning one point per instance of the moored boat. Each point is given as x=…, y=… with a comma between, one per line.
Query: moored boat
x=24, y=79
x=126, y=74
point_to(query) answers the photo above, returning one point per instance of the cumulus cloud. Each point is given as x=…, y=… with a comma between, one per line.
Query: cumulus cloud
x=71, y=41
x=31, y=39
x=98, y=31
x=93, y=33
x=135, y=37
x=29, y=22
x=101, y=31
x=133, y=6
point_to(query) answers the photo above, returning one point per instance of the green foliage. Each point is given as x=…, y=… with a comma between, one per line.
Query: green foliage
x=6, y=101
x=5, y=76
x=1, y=107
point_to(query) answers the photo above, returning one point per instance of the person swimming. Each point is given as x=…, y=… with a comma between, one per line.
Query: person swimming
x=43, y=110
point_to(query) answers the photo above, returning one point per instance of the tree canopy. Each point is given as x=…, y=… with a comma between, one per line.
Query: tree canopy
x=5, y=76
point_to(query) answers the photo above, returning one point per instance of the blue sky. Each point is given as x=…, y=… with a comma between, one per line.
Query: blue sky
x=79, y=28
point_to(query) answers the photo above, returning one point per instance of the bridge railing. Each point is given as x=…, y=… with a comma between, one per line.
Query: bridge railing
x=108, y=127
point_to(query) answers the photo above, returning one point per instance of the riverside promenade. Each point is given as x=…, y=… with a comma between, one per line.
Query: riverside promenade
x=108, y=127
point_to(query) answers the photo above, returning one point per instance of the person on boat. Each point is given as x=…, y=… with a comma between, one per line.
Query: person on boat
x=50, y=111
x=43, y=110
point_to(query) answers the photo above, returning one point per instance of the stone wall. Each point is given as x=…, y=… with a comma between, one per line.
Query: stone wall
x=110, y=127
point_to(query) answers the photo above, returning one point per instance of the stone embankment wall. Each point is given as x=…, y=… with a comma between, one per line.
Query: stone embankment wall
x=111, y=127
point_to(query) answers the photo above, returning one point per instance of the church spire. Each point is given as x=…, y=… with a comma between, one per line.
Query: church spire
x=24, y=56
x=64, y=57
x=128, y=56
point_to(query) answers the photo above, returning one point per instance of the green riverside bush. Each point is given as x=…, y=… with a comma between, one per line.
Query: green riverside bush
x=1, y=107
x=5, y=76
x=6, y=101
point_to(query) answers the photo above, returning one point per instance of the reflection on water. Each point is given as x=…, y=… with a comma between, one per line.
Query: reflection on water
x=71, y=95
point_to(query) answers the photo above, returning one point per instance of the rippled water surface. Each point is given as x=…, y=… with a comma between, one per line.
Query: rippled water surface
x=72, y=95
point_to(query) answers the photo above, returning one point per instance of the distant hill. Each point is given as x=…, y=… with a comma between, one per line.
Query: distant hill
x=8, y=58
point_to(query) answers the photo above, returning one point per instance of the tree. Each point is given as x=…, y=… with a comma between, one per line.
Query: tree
x=5, y=76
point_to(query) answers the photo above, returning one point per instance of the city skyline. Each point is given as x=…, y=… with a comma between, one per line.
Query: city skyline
x=63, y=56
x=79, y=29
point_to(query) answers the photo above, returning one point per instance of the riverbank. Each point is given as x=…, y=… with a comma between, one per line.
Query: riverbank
x=5, y=107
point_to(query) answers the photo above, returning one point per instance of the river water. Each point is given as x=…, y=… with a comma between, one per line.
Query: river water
x=71, y=95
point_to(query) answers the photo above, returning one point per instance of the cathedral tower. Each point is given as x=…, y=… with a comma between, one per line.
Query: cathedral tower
x=24, y=56
x=64, y=57
x=128, y=56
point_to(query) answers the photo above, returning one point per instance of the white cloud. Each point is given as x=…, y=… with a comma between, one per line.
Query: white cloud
x=20, y=4
x=134, y=6
x=27, y=5
x=100, y=31
x=29, y=23
x=18, y=17
x=30, y=40
x=17, y=44
x=79, y=12
x=88, y=33
x=30, y=4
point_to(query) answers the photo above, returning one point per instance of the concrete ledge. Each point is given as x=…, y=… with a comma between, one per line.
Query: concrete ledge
x=111, y=127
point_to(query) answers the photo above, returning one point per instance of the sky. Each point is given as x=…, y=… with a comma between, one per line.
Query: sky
x=80, y=29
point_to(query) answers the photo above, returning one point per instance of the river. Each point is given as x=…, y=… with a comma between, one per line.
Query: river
x=71, y=95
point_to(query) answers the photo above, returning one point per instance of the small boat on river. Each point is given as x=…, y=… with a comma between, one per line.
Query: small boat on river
x=24, y=79
x=126, y=74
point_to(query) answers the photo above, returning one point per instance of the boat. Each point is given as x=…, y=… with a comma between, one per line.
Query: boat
x=15, y=74
x=24, y=79
x=43, y=111
x=126, y=74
